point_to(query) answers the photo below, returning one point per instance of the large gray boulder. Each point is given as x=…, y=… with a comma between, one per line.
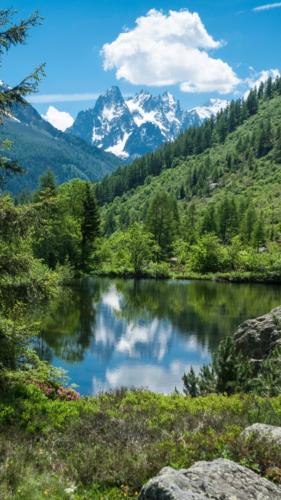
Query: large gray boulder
x=262, y=433
x=257, y=338
x=218, y=480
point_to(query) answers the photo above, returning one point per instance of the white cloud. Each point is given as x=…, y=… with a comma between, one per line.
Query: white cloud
x=59, y=119
x=256, y=78
x=169, y=49
x=267, y=6
x=51, y=98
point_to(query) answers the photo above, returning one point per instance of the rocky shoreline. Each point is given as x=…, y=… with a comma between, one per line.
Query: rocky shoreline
x=223, y=479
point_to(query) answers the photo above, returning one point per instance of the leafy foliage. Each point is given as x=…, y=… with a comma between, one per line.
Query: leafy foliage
x=195, y=141
x=231, y=372
x=227, y=215
x=147, y=430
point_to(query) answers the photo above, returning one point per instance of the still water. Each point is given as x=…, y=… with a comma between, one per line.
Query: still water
x=110, y=333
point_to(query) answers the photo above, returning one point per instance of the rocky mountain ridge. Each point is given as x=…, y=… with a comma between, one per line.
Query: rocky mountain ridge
x=131, y=127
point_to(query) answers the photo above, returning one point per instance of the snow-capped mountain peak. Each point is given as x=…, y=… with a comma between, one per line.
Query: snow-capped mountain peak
x=136, y=125
x=212, y=108
x=162, y=111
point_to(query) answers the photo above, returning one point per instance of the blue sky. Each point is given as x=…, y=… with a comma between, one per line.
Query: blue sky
x=73, y=34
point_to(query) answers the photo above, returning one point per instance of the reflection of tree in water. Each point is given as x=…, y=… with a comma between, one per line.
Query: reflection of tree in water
x=207, y=310
x=69, y=323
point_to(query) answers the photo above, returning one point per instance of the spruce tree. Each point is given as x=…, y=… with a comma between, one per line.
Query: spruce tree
x=248, y=223
x=277, y=146
x=162, y=220
x=268, y=88
x=209, y=222
x=190, y=382
x=258, y=236
x=227, y=219
x=90, y=226
x=47, y=186
x=12, y=34
x=252, y=103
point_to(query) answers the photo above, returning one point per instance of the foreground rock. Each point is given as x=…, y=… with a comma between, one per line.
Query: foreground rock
x=257, y=338
x=262, y=433
x=218, y=480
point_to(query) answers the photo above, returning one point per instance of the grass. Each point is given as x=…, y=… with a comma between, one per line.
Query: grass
x=108, y=446
x=172, y=273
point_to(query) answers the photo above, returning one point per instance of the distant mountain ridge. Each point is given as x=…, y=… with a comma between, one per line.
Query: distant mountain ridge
x=132, y=127
x=37, y=146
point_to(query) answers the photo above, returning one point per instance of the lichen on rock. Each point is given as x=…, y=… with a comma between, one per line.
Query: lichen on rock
x=217, y=480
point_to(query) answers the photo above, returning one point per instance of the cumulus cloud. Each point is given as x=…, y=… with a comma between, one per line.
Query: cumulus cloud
x=256, y=78
x=169, y=49
x=267, y=6
x=59, y=119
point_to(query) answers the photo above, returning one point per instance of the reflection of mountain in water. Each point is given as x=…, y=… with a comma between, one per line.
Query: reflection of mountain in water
x=109, y=333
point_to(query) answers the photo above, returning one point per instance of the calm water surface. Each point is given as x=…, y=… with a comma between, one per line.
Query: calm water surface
x=111, y=333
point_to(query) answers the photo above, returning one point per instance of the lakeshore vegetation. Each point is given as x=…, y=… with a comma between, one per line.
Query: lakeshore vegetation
x=208, y=203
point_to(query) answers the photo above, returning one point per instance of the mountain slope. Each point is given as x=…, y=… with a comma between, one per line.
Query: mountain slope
x=132, y=127
x=37, y=146
x=246, y=165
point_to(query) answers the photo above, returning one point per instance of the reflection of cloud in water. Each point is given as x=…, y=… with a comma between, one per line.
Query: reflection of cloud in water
x=112, y=299
x=192, y=345
x=130, y=338
x=161, y=327
x=157, y=378
x=149, y=334
x=135, y=339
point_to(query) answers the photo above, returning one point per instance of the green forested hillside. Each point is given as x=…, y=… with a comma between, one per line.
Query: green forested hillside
x=231, y=168
x=38, y=146
x=226, y=195
x=193, y=142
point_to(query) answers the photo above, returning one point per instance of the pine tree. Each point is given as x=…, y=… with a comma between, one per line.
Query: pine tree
x=109, y=224
x=268, y=88
x=251, y=160
x=209, y=222
x=90, y=226
x=227, y=219
x=247, y=225
x=47, y=187
x=277, y=146
x=252, y=103
x=263, y=139
x=182, y=193
x=261, y=90
x=258, y=236
x=162, y=220
x=190, y=382
x=12, y=34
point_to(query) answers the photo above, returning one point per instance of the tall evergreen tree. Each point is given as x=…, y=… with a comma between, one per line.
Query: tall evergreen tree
x=258, y=235
x=269, y=88
x=248, y=223
x=47, y=186
x=90, y=226
x=227, y=219
x=252, y=102
x=12, y=34
x=209, y=222
x=162, y=220
x=277, y=146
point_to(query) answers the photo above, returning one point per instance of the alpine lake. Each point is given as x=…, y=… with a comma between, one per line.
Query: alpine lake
x=112, y=333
